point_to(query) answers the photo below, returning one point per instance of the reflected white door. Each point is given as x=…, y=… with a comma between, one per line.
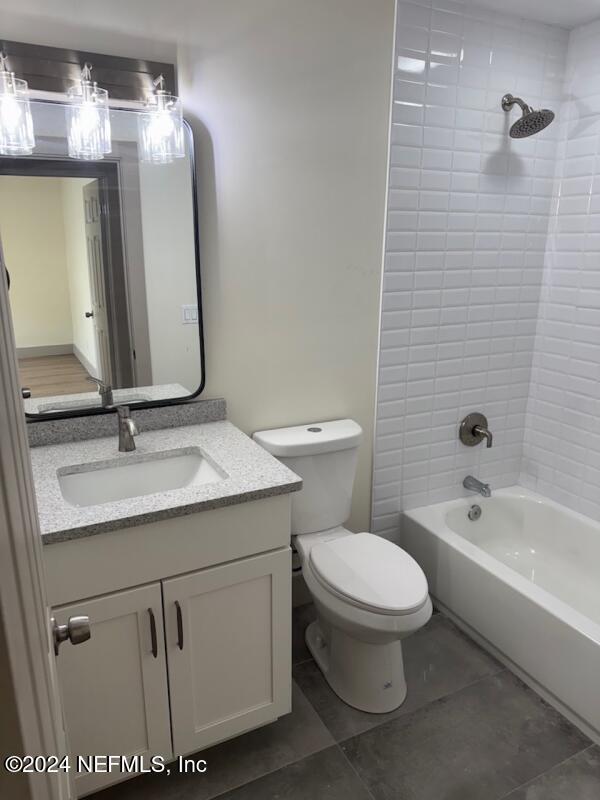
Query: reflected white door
x=98, y=314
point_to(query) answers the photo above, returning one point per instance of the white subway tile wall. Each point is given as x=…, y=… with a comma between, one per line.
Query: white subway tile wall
x=467, y=223
x=562, y=437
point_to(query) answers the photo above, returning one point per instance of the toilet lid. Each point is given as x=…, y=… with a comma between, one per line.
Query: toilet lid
x=372, y=572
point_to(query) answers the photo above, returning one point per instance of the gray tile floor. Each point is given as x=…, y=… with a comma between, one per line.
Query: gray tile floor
x=469, y=730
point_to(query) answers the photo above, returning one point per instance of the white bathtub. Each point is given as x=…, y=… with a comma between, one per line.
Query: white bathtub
x=524, y=580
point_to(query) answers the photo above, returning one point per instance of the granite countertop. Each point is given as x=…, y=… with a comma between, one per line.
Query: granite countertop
x=91, y=399
x=251, y=474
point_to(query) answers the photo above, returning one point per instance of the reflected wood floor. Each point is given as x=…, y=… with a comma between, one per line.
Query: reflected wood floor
x=53, y=375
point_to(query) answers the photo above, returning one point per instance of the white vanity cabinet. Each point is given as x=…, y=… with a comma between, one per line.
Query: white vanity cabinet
x=228, y=649
x=114, y=689
x=221, y=663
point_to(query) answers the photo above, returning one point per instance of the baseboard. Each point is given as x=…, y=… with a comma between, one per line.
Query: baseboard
x=85, y=363
x=45, y=350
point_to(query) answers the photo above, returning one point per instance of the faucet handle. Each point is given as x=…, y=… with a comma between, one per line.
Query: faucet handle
x=482, y=432
x=100, y=384
x=104, y=390
x=473, y=429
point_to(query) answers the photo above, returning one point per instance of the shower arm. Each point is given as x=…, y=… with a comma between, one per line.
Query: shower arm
x=508, y=101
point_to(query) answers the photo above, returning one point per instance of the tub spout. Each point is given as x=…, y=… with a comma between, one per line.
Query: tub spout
x=474, y=485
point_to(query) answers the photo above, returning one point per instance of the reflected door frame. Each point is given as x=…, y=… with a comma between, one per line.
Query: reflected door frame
x=97, y=313
x=124, y=260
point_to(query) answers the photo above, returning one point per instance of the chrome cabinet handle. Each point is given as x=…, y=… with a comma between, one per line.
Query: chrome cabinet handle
x=179, y=625
x=153, y=633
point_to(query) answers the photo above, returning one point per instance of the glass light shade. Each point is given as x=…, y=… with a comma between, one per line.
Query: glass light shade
x=161, y=129
x=16, y=125
x=88, y=122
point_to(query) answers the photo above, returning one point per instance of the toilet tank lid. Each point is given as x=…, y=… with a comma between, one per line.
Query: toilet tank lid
x=311, y=439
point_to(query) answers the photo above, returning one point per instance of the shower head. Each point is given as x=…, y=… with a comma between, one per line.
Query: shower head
x=531, y=121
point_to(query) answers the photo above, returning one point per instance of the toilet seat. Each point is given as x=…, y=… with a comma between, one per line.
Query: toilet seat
x=370, y=572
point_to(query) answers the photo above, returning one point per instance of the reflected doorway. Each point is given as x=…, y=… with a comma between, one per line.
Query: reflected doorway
x=63, y=251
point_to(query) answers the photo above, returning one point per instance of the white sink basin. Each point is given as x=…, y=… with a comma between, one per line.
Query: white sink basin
x=115, y=480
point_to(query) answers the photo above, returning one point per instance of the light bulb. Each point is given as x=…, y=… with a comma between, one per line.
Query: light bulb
x=16, y=124
x=161, y=127
x=88, y=119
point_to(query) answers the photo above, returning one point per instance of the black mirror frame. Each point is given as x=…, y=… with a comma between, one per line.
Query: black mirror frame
x=142, y=404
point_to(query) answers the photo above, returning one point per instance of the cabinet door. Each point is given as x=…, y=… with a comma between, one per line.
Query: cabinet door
x=228, y=649
x=115, y=685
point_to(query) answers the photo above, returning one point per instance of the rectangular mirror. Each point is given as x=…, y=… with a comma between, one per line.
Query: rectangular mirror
x=103, y=270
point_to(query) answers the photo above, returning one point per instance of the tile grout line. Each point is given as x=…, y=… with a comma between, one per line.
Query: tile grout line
x=273, y=771
x=297, y=663
x=286, y=764
x=419, y=708
x=354, y=770
x=338, y=743
x=546, y=771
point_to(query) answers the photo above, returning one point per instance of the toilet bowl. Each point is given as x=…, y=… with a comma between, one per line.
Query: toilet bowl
x=356, y=639
x=369, y=594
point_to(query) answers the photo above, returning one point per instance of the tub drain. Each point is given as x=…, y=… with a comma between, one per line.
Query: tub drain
x=474, y=513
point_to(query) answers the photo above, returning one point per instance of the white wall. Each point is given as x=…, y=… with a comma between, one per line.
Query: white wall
x=78, y=276
x=31, y=225
x=467, y=218
x=290, y=104
x=562, y=438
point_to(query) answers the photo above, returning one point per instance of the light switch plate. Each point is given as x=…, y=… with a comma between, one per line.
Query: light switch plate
x=189, y=315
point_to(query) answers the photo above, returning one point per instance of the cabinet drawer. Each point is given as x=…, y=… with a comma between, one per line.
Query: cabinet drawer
x=111, y=562
x=228, y=648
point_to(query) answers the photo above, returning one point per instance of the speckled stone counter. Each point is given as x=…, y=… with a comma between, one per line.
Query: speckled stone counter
x=251, y=474
x=77, y=429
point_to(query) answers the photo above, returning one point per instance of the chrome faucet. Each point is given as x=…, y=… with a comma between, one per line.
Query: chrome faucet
x=104, y=390
x=474, y=485
x=127, y=430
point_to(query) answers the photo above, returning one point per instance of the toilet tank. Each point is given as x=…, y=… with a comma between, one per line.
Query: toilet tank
x=324, y=455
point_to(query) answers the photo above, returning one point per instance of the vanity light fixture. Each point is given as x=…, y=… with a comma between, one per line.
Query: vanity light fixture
x=161, y=126
x=16, y=124
x=88, y=119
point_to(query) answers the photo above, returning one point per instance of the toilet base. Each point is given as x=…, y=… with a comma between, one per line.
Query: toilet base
x=369, y=677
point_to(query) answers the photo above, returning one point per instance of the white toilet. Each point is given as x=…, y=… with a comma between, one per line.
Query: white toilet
x=369, y=594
